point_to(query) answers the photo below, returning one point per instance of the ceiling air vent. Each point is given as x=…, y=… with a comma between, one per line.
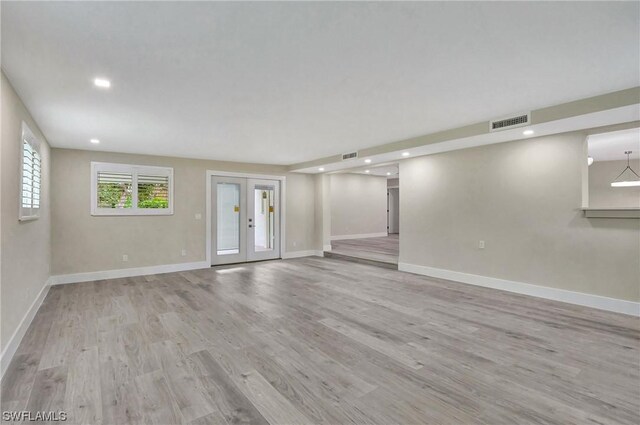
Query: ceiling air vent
x=350, y=155
x=510, y=122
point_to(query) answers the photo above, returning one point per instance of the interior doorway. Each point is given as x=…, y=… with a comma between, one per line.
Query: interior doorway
x=245, y=219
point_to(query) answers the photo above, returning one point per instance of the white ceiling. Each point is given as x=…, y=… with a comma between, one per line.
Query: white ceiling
x=612, y=146
x=283, y=83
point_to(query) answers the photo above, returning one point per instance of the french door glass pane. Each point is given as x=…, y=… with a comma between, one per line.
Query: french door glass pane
x=264, y=218
x=228, y=230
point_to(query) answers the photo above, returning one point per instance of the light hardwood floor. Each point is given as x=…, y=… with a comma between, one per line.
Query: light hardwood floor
x=317, y=340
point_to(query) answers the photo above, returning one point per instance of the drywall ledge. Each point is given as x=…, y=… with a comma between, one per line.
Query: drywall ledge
x=611, y=212
x=579, y=298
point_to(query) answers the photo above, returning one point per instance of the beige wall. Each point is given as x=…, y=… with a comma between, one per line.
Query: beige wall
x=358, y=204
x=84, y=243
x=601, y=194
x=301, y=212
x=26, y=255
x=523, y=199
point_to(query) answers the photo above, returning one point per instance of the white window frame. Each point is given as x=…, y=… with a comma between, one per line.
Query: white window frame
x=26, y=214
x=135, y=170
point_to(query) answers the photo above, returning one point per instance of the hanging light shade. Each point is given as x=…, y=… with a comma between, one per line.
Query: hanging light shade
x=628, y=177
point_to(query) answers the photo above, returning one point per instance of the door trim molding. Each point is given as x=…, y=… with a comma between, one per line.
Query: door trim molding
x=208, y=213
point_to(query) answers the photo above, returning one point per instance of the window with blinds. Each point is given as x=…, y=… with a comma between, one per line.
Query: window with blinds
x=114, y=190
x=30, y=176
x=122, y=189
x=153, y=191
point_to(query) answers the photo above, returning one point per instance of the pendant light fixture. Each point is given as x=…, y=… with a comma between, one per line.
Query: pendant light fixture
x=627, y=178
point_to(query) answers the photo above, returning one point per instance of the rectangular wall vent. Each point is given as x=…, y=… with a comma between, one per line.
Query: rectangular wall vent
x=350, y=155
x=510, y=122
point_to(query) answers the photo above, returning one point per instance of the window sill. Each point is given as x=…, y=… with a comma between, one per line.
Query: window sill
x=133, y=213
x=612, y=212
x=29, y=218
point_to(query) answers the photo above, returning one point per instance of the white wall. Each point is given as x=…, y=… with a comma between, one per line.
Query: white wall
x=602, y=195
x=26, y=253
x=358, y=205
x=83, y=243
x=523, y=199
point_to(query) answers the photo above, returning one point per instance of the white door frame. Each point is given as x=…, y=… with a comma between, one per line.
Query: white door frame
x=283, y=202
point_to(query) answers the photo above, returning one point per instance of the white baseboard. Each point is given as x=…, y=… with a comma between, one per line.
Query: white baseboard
x=359, y=236
x=571, y=297
x=115, y=274
x=299, y=254
x=12, y=346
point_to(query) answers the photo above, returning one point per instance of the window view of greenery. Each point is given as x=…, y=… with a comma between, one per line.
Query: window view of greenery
x=114, y=190
x=153, y=191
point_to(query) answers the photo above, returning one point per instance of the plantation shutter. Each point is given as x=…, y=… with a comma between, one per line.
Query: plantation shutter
x=114, y=189
x=31, y=181
x=153, y=191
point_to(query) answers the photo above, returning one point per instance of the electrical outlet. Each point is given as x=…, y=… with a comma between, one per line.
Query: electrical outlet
x=184, y=252
x=481, y=245
x=198, y=216
x=295, y=244
x=125, y=258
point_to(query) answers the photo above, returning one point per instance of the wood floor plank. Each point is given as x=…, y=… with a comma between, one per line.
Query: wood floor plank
x=271, y=404
x=83, y=400
x=185, y=387
x=228, y=399
x=120, y=399
x=48, y=391
x=157, y=405
x=18, y=380
x=187, y=336
x=383, y=347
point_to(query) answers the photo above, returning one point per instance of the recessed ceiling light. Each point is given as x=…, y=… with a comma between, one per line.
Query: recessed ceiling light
x=94, y=141
x=527, y=132
x=367, y=161
x=320, y=169
x=101, y=82
x=388, y=174
x=405, y=153
x=367, y=171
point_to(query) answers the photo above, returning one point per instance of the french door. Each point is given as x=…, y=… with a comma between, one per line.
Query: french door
x=245, y=220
